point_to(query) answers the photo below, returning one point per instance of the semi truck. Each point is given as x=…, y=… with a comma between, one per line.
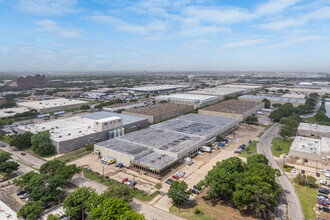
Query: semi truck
x=206, y=149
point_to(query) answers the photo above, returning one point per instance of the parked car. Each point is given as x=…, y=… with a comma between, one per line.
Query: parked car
x=221, y=144
x=323, y=182
x=322, y=202
x=169, y=181
x=238, y=151
x=324, y=170
x=324, y=209
x=3, y=145
x=25, y=195
x=21, y=192
x=131, y=183
x=293, y=170
x=200, y=152
x=323, y=190
x=303, y=171
x=322, y=196
x=225, y=140
x=194, y=191
x=187, y=198
x=175, y=177
x=23, y=154
x=124, y=180
x=46, y=206
x=119, y=165
x=180, y=174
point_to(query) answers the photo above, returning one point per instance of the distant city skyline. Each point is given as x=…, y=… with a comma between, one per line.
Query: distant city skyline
x=163, y=35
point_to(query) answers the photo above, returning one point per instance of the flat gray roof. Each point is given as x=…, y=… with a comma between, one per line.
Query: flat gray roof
x=127, y=119
x=272, y=98
x=155, y=160
x=213, y=120
x=125, y=147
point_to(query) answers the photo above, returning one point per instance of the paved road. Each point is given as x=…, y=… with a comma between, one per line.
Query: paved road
x=294, y=207
x=28, y=159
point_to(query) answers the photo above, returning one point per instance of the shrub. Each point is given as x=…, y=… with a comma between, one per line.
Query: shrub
x=197, y=211
x=158, y=186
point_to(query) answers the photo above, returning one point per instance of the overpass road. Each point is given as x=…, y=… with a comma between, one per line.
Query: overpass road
x=289, y=204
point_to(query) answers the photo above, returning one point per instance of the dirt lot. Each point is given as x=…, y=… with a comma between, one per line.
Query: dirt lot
x=213, y=210
x=8, y=195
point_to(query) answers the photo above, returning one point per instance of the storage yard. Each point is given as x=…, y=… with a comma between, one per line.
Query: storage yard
x=197, y=101
x=75, y=132
x=159, y=112
x=238, y=109
x=52, y=105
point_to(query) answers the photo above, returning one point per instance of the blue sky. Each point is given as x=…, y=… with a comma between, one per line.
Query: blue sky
x=163, y=35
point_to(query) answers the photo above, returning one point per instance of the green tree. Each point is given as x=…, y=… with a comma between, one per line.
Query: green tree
x=219, y=138
x=85, y=107
x=8, y=167
x=114, y=208
x=52, y=217
x=4, y=156
x=73, y=203
x=257, y=158
x=68, y=171
x=178, y=192
x=31, y=210
x=24, y=179
x=275, y=115
x=251, y=119
x=120, y=192
x=21, y=140
x=51, y=166
x=287, y=131
x=41, y=143
x=266, y=103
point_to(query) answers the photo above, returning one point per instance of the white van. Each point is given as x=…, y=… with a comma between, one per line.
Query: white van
x=327, y=175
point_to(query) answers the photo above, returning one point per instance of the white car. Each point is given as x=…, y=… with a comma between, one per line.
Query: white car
x=323, y=182
x=293, y=170
x=324, y=170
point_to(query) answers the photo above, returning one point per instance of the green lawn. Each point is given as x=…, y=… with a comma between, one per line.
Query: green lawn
x=137, y=194
x=260, y=134
x=250, y=150
x=74, y=155
x=4, y=138
x=280, y=143
x=310, y=119
x=307, y=198
x=189, y=213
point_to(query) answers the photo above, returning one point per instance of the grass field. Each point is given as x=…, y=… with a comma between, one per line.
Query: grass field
x=250, y=150
x=282, y=144
x=189, y=214
x=260, y=134
x=74, y=155
x=137, y=194
x=307, y=198
x=310, y=119
x=5, y=138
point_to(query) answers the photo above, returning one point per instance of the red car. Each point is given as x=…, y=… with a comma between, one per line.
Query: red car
x=124, y=180
x=322, y=203
x=175, y=177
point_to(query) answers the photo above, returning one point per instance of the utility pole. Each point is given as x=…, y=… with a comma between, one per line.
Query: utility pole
x=103, y=174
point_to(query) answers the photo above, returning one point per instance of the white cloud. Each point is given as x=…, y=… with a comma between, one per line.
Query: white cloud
x=48, y=7
x=243, y=43
x=292, y=41
x=274, y=6
x=51, y=26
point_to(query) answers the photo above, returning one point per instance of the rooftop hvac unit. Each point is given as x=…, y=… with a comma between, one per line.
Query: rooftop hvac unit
x=69, y=134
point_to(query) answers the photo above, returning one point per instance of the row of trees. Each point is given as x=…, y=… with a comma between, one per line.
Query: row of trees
x=103, y=104
x=250, y=186
x=320, y=116
x=6, y=166
x=40, y=142
x=291, y=124
x=44, y=187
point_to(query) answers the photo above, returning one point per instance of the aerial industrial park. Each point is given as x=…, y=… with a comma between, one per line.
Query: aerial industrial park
x=164, y=110
x=153, y=135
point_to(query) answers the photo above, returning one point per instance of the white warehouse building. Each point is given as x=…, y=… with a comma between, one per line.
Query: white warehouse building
x=197, y=101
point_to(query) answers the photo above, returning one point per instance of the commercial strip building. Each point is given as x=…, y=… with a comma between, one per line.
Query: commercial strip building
x=11, y=112
x=159, y=112
x=273, y=99
x=53, y=105
x=162, y=146
x=221, y=92
x=159, y=89
x=313, y=130
x=75, y=132
x=311, y=149
x=197, y=101
x=237, y=109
